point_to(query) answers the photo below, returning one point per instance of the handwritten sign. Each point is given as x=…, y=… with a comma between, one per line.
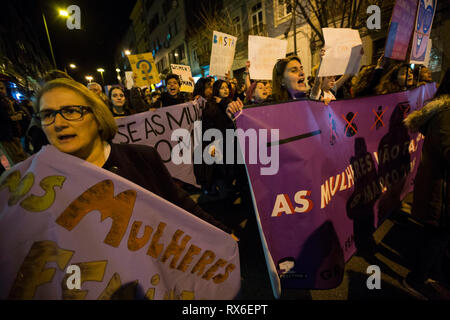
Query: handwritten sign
x=144, y=67
x=263, y=53
x=61, y=202
x=343, y=52
x=184, y=72
x=424, y=22
x=222, y=53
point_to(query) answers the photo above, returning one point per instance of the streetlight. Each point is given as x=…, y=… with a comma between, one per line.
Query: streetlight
x=101, y=70
x=89, y=78
x=117, y=70
x=61, y=13
x=127, y=52
x=73, y=66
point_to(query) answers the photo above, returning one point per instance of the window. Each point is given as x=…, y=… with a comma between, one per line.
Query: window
x=283, y=8
x=237, y=26
x=173, y=31
x=177, y=55
x=167, y=6
x=162, y=64
x=257, y=19
x=154, y=23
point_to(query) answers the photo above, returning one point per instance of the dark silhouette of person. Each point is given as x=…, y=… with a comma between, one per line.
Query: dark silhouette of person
x=393, y=161
x=360, y=205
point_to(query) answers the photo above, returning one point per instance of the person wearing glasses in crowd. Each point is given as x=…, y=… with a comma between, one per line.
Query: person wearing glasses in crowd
x=78, y=123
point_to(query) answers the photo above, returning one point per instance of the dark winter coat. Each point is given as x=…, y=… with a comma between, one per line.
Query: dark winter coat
x=214, y=117
x=431, y=185
x=143, y=166
x=169, y=100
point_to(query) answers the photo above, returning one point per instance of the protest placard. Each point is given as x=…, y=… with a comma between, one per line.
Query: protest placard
x=263, y=53
x=146, y=242
x=343, y=52
x=145, y=69
x=422, y=32
x=129, y=79
x=184, y=72
x=400, y=29
x=222, y=53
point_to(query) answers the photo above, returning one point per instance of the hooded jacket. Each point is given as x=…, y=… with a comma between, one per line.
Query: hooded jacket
x=432, y=183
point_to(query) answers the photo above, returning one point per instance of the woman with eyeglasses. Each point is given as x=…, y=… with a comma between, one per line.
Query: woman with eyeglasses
x=288, y=79
x=119, y=105
x=78, y=123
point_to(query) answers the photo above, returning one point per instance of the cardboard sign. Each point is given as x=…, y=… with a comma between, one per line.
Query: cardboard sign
x=184, y=72
x=222, y=53
x=263, y=53
x=144, y=67
x=343, y=52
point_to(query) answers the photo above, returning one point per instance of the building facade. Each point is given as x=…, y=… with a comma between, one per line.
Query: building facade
x=168, y=28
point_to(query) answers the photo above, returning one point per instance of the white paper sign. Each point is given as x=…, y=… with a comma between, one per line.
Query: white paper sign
x=129, y=79
x=343, y=52
x=184, y=72
x=263, y=53
x=222, y=53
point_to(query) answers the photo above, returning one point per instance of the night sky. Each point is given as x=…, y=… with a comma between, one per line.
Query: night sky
x=103, y=26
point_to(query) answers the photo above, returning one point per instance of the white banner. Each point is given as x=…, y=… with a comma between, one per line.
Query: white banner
x=154, y=128
x=263, y=53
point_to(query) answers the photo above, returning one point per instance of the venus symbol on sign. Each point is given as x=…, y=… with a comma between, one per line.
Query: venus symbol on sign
x=145, y=69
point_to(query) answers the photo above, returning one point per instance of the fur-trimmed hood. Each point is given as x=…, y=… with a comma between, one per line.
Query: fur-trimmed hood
x=416, y=120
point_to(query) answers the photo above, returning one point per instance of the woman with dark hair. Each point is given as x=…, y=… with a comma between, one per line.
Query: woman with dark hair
x=288, y=79
x=119, y=105
x=217, y=179
x=422, y=75
x=257, y=93
x=173, y=95
x=203, y=88
x=432, y=194
x=399, y=78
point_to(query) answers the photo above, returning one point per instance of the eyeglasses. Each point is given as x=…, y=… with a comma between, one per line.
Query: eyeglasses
x=70, y=113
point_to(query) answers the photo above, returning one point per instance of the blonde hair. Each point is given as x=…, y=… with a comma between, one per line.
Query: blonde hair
x=105, y=120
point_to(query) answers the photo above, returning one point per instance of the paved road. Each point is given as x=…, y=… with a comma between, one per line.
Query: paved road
x=396, y=240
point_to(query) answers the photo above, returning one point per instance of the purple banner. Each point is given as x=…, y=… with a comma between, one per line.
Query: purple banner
x=400, y=29
x=343, y=168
